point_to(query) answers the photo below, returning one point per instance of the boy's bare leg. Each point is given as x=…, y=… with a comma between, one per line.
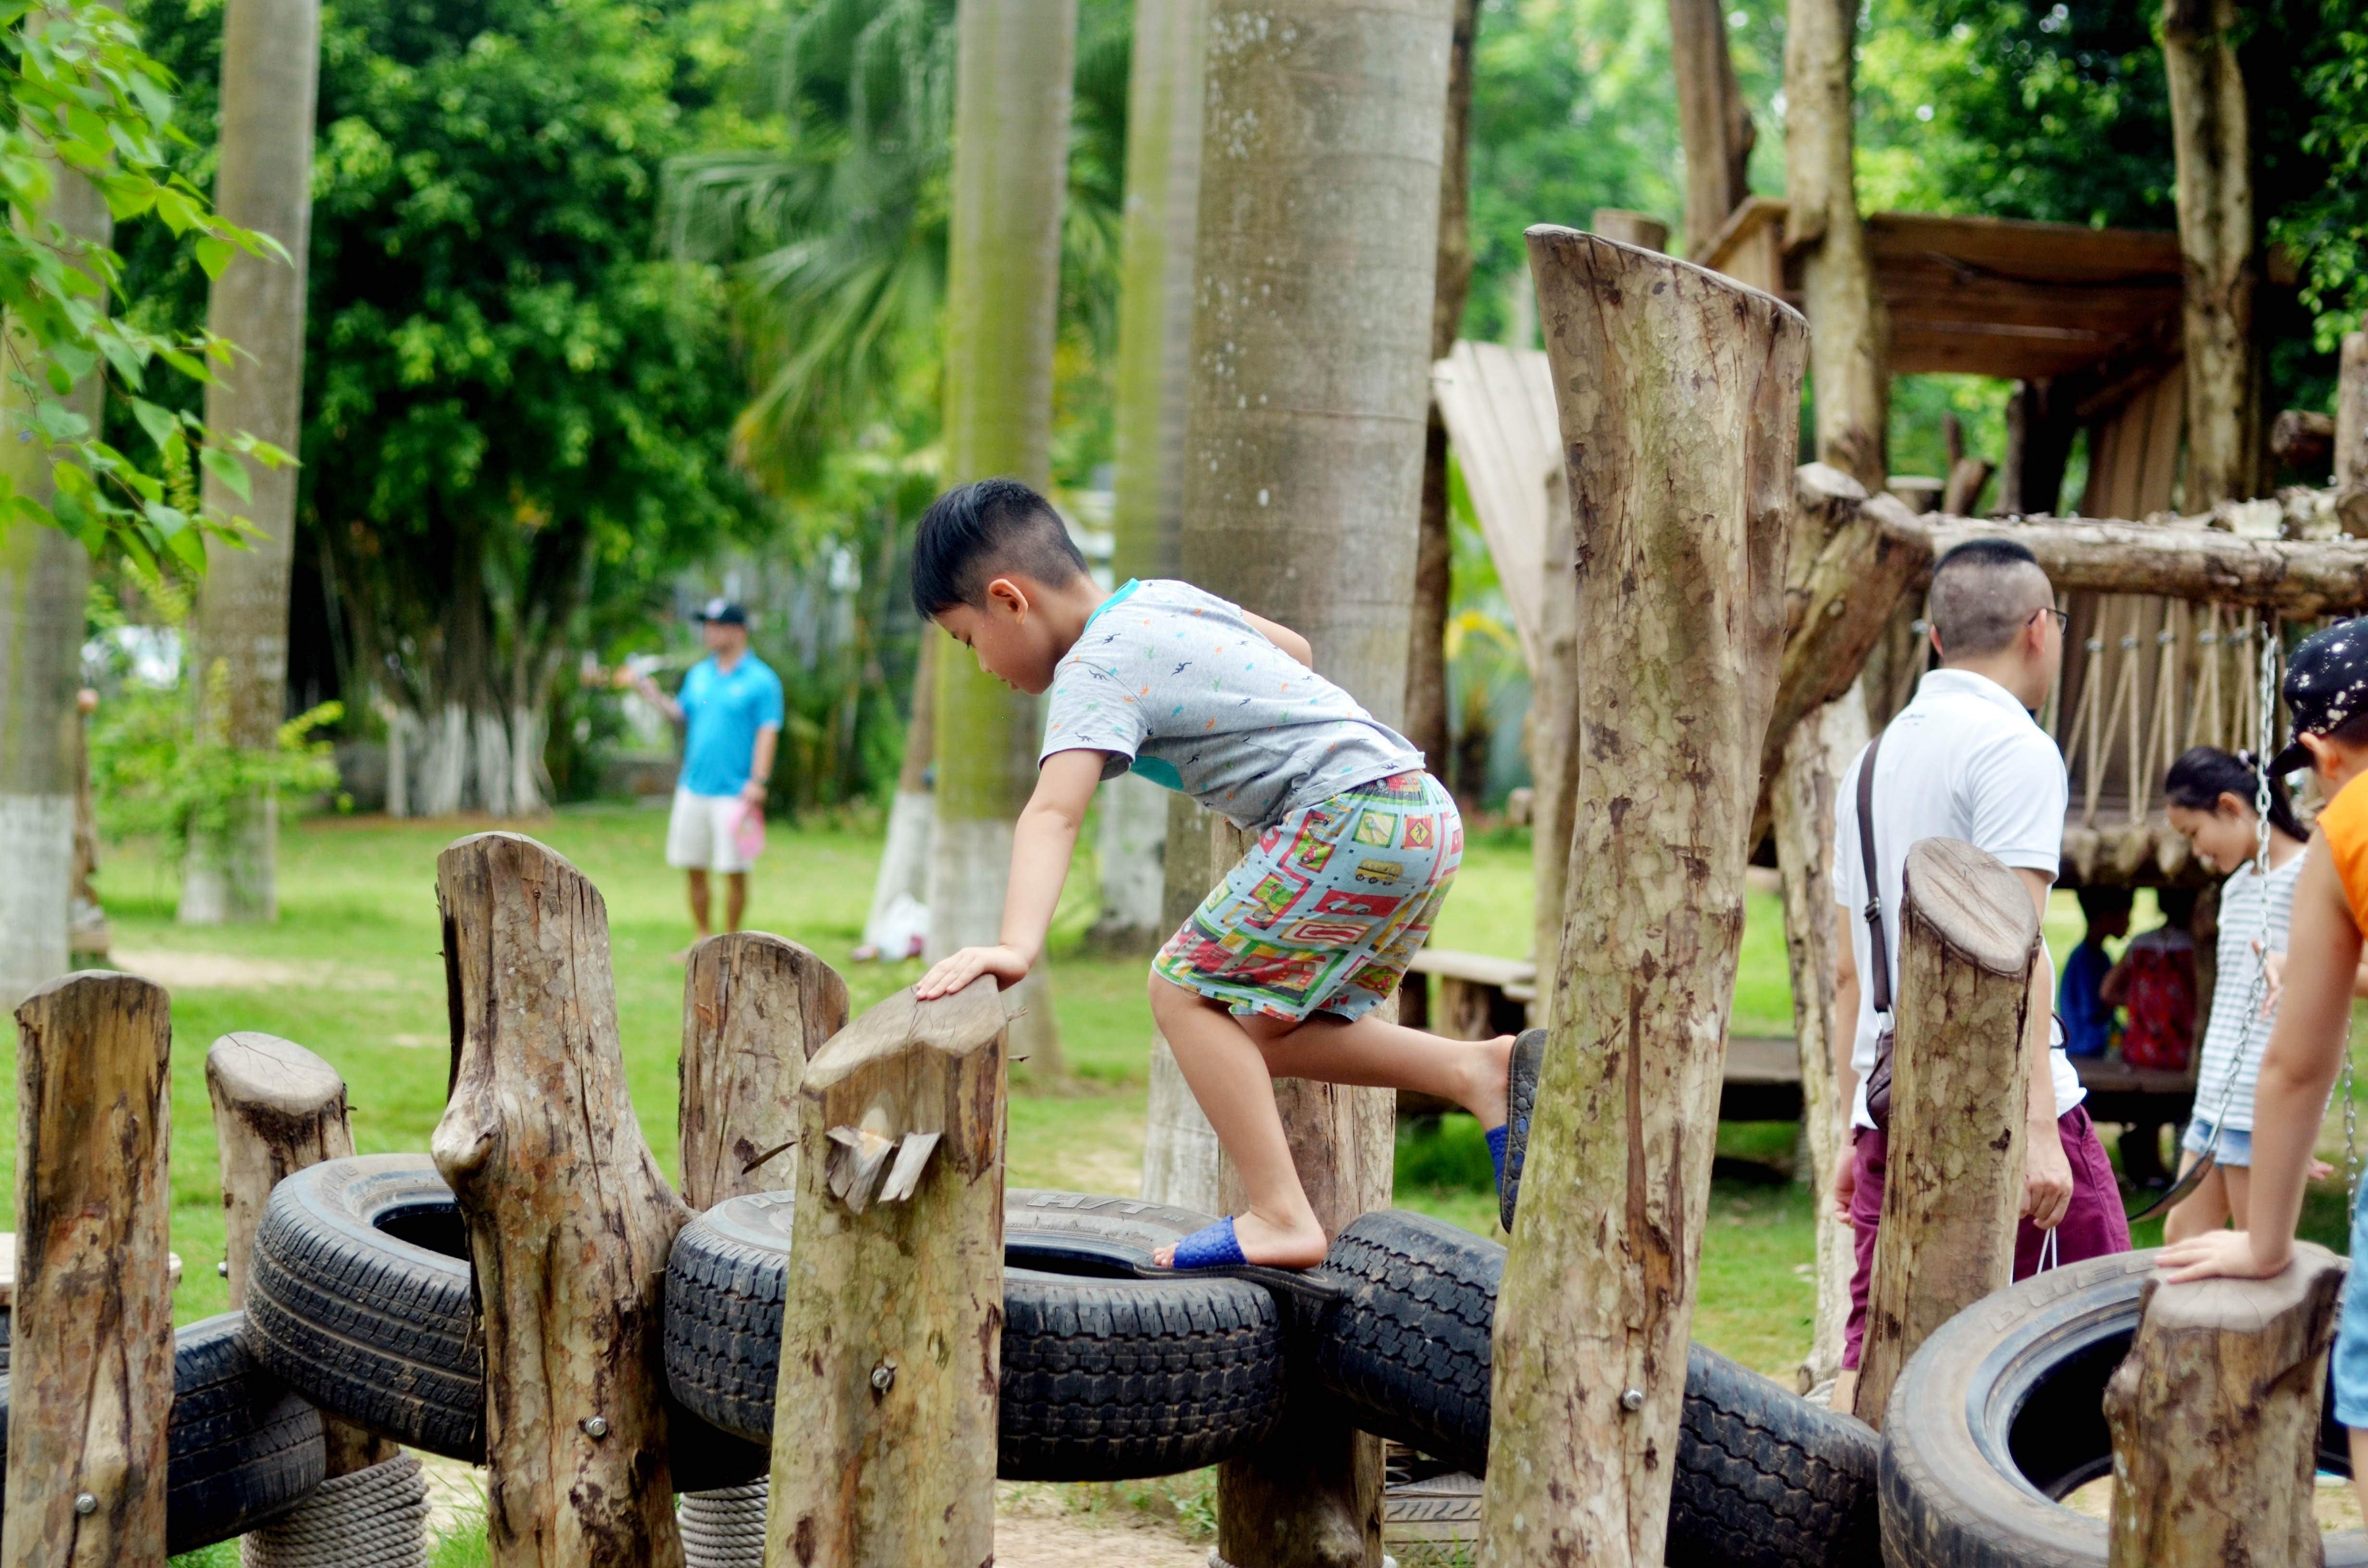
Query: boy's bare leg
x=736, y=899
x=2206, y=1209
x=699, y=903
x=1380, y=1054
x=1229, y=1076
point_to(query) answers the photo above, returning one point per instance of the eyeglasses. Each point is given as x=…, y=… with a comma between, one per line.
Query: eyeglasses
x=2063, y=619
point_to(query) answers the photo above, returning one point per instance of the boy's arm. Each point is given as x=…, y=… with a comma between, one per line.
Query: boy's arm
x=2305, y=1051
x=1282, y=637
x=1042, y=843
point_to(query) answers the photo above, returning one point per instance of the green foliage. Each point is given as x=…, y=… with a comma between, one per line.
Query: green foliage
x=162, y=773
x=86, y=103
x=2329, y=226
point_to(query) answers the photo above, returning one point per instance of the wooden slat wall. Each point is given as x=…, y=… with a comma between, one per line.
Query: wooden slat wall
x=1499, y=405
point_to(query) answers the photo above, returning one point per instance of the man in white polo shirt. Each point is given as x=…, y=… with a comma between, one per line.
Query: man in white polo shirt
x=1966, y=760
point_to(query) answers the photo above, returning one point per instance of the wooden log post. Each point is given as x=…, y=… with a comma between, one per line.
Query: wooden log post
x=2219, y=250
x=1679, y=392
x=1713, y=121
x=892, y=1317
x=91, y=1366
x=1850, y=350
x=2352, y=435
x=2215, y=1415
x=277, y=1109
x=755, y=1009
x=1968, y=937
x=569, y=1219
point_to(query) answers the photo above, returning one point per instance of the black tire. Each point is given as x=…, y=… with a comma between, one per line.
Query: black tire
x=242, y=1449
x=1763, y=1477
x=2000, y=1413
x=361, y=1295
x=1104, y=1377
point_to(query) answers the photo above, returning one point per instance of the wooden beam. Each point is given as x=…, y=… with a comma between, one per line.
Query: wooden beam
x=91, y=1371
x=277, y=1109
x=755, y=1009
x=1967, y=938
x=884, y=1416
x=1639, y=229
x=2214, y=1415
x=1683, y=391
x=569, y=1220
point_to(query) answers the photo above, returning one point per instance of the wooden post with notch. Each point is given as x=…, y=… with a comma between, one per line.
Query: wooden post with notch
x=2215, y=1415
x=1960, y=1080
x=1679, y=397
x=91, y=1368
x=569, y=1219
x=277, y=1109
x=755, y=1007
x=892, y=1315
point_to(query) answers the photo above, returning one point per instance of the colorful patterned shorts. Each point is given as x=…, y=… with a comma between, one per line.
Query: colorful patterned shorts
x=1329, y=907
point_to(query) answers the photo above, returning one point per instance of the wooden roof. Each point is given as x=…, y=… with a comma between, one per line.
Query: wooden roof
x=1990, y=296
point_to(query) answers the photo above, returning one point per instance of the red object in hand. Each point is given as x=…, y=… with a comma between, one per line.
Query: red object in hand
x=749, y=836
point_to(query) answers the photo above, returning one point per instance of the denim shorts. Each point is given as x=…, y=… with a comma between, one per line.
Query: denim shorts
x=2236, y=1143
x=2349, y=1364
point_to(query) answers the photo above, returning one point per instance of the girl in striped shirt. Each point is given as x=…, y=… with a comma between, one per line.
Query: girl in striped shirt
x=2213, y=795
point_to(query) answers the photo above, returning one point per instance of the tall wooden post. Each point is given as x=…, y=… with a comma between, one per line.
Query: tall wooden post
x=1968, y=937
x=277, y=1109
x=2210, y=144
x=569, y=1217
x=2352, y=435
x=2215, y=1413
x=1679, y=392
x=1712, y=121
x=755, y=1009
x=91, y=1368
x=1849, y=360
x=1820, y=755
x=892, y=1314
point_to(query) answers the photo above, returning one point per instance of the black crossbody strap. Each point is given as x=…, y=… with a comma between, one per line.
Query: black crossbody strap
x=1881, y=978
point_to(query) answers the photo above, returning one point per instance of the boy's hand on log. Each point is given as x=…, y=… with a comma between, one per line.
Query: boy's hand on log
x=950, y=974
x=2220, y=1255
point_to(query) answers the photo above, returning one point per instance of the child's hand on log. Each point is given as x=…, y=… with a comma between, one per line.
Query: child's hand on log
x=2220, y=1255
x=950, y=974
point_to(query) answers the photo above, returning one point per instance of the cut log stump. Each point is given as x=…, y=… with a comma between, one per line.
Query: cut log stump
x=277, y=1109
x=892, y=1317
x=755, y=1007
x=91, y=1366
x=569, y=1217
x=1959, y=1090
x=2215, y=1415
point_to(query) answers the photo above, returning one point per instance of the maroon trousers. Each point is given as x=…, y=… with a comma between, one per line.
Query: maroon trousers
x=2092, y=1227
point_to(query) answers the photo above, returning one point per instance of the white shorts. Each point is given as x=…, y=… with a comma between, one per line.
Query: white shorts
x=703, y=833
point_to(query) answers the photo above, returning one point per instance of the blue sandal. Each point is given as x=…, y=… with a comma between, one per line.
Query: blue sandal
x=1217, y=1250
x=1508, y=1145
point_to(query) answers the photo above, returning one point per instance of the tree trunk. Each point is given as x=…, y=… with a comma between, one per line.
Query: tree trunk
x=1848, y=366
x=2211, y=141
x=1311, y=376
x=43, y=577
x=754, y=1010
x=569, y=1219
x=92, y=1383
x=1011, y=149
x=892, y=1314
x=1434, y=560
x=905, y=858
x=1960, y=1076
x=277, y=1109
x=1679, y=392
x=2215, y=1415
x=270, y=69
x=1820, y=753
x=1712, y=122
x=2351, y=435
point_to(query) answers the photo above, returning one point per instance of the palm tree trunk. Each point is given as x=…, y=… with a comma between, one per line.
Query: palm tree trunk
x=272, y=56
x=904, y=861
x=1011, y=149
x=1154, y=344
x=1311, y=372
x=43, y=578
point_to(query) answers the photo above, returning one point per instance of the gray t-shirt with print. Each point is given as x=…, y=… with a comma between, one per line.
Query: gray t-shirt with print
x=1178, y=683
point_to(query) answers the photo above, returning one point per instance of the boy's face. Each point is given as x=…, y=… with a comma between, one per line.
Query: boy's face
x=1009, y=634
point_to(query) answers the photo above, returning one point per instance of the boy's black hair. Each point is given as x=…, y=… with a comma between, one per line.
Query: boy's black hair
x=2204, y=774
x=974, y=530
x=2096, y=900
x=2178, y=907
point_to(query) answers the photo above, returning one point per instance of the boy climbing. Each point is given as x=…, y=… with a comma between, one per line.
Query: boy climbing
x=1277, y=972
x=2326, y=693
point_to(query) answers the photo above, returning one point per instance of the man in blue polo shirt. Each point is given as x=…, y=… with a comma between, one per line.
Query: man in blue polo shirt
x=730, y=709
